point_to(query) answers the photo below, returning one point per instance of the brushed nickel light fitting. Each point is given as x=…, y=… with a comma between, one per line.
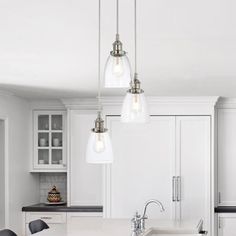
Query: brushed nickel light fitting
x=99, y=124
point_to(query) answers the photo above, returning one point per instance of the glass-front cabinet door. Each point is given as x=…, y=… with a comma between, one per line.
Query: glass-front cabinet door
x=49, y=141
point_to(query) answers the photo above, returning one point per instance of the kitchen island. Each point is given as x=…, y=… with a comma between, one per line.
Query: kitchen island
x=94, y=226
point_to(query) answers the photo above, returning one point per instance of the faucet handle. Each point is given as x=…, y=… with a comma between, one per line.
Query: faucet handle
x=145, y=217
x=135, y=221
x=136, y=216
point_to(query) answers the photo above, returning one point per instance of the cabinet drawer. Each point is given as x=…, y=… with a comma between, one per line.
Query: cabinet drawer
x=48, y=217
x=73, y=217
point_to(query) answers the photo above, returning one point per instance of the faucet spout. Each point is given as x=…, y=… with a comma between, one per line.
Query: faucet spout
x=152, y=201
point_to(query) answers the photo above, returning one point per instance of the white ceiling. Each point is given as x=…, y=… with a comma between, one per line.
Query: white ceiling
x=48, y=48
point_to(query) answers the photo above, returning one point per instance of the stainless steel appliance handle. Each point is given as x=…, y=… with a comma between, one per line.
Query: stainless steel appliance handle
x=174, y=189
x=178, y=180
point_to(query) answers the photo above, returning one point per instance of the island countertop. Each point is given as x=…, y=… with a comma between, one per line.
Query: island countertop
x=93, y=226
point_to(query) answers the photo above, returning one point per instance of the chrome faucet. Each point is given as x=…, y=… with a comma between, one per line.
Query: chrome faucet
x=138, y=221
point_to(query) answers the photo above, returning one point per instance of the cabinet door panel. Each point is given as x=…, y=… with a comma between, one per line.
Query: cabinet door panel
x=227, y=225
x=143, y=167
x=193, y=165
x=85, y=179
x=227, y=156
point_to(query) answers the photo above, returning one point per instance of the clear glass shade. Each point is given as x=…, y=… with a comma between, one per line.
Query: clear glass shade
x=117, y=72
x=99, y=148
x=134, y=109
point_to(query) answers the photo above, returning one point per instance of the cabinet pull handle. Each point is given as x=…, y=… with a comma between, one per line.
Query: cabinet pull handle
x=178, y=188
x=219, y=198
x=219, y=223
x=173, y=189
x=45, y=218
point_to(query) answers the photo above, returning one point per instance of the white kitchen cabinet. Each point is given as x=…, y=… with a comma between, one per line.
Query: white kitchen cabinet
x=148, y=156
x=55, y=219
x=142, y=168
x=226, y=156
x=193, y=151
x=75, y=216
x=49, y=141
x=85, y=179
x=51, y=218
x=227, y=224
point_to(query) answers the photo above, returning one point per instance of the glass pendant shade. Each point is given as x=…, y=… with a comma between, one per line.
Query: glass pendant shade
x=99, y=148
x=117, y=72
x=134, y=109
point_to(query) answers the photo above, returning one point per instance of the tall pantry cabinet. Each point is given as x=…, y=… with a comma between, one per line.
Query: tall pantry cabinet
x=167, y=159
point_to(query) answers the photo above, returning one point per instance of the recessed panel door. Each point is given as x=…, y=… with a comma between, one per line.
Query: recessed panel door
x=142, y=169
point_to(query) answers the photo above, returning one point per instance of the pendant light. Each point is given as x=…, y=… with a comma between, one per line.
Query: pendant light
x=117, y=72
x=134, y=109
x=99, y=148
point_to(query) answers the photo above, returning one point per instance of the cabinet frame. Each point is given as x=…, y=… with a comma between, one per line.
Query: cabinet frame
x=49, y=167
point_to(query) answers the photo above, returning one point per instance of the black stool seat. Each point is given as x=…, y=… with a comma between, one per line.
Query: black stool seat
x=7, y=232
x=37, y=226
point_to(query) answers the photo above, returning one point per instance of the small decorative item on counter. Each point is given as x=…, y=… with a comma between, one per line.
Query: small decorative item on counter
x=54, y=195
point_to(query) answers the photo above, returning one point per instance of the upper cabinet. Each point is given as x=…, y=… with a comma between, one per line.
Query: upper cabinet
x=226, y=156
x=49, y=141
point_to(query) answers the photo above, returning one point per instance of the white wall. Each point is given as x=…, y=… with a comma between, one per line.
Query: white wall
x=23, y=186
x=2, y=175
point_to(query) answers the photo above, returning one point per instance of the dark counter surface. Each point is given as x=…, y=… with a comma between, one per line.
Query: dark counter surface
x=225, y=209
x=41, y=207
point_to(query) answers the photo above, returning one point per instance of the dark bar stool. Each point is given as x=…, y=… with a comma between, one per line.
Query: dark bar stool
x=7, y=232
x=37, y=226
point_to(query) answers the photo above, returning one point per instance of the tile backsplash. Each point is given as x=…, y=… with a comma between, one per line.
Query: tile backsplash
x=46, y=182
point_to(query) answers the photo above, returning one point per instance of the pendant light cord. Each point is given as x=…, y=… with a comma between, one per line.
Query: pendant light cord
x=117, y=17
x=99, y=57
x=135, y=38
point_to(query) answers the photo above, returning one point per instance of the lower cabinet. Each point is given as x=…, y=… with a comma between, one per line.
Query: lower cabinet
x=51, y=218
x=54, y=219
x=73, y=216
x=227, y=224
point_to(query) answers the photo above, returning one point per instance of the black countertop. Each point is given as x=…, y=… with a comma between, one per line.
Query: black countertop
x=62, y=208
x=225, y=209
